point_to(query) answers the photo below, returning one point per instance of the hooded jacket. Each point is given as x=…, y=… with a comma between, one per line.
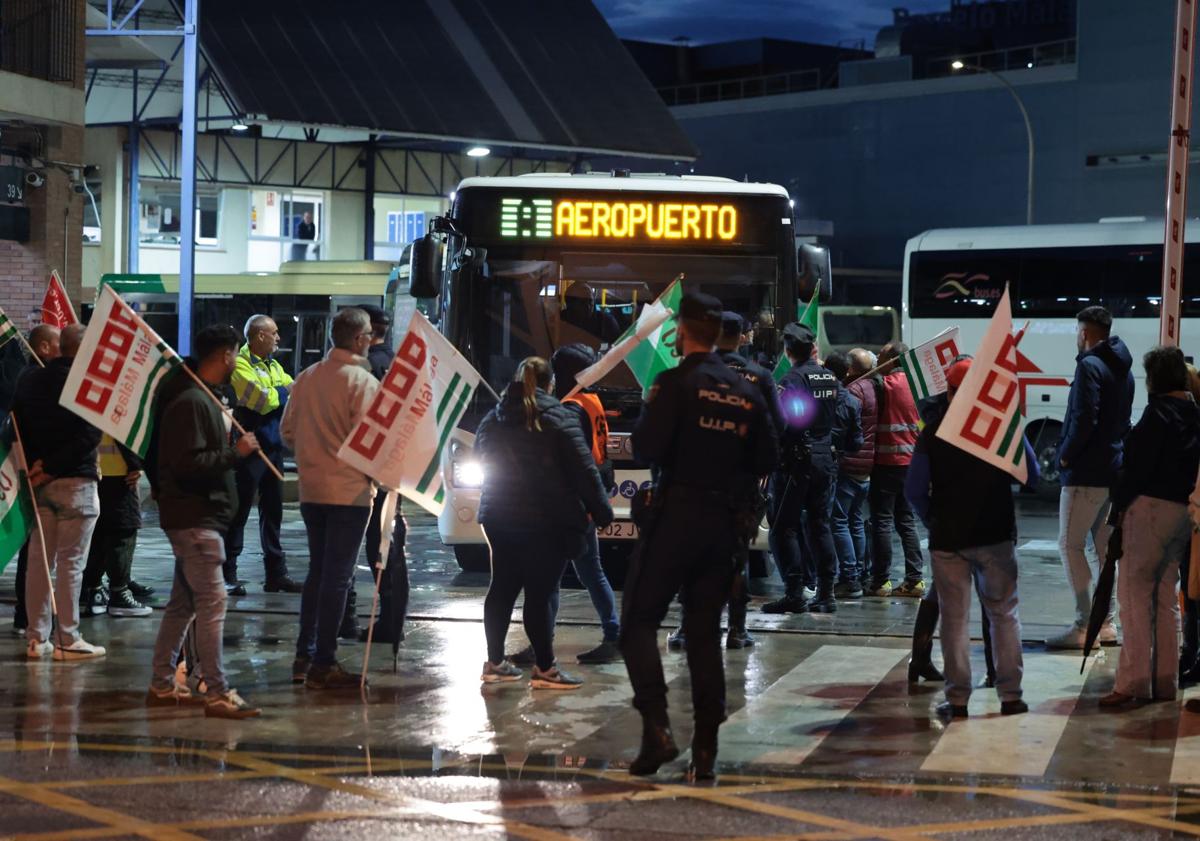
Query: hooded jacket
x=1163, y=452
x=537, y=480
x=1098, y=414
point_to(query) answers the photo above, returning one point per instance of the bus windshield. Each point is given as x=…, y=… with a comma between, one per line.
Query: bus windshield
x=526, y=307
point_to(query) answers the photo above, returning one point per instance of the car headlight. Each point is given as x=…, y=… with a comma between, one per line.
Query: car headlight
x=466, y=473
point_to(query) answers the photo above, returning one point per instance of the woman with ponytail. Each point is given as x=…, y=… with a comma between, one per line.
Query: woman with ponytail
x=541, y=494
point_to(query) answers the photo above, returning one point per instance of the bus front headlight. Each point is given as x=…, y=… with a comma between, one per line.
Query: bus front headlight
x=466, y=471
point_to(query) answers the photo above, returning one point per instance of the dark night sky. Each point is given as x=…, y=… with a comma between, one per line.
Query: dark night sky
x=705, y=21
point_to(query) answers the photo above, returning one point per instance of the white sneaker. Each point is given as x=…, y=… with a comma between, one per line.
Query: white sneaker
x=81, y=649
x=1069, y=640
x=1108, y=634
x=809, y=594
x=38, y=650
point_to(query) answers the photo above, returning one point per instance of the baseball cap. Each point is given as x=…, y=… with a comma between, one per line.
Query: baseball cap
x=732, y=324
x=958, y=372
x=696, y=306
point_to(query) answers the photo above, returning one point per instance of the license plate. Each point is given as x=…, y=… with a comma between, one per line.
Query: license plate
x=619, y=530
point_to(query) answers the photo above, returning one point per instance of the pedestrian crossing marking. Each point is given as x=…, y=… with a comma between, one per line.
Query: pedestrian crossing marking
x=1185, y=768
x=1038, y=546
x=1017, y=745
x=787, y=722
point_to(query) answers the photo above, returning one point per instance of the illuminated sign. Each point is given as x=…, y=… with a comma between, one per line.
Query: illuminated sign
x=543, y=218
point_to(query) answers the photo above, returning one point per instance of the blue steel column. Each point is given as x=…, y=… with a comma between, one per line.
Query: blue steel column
x=187, y=155
x=135, y=141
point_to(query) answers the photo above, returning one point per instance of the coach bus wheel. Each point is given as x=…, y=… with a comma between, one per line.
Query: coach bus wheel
x=1043, y=437
x=473, y=557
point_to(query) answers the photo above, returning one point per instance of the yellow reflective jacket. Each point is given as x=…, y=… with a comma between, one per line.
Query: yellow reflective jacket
x=255, y=382
x=112, y=463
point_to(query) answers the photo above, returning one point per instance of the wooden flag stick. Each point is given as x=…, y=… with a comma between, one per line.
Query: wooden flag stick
x=29, y=348
x=41, y=535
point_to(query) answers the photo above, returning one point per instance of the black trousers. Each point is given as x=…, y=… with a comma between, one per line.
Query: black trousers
x=890, y=510
x=394, y=587
x=689, y=551
x=20, y=619
x=111, y=554
x=532, y=561
x=253, y=477
x=802, y=510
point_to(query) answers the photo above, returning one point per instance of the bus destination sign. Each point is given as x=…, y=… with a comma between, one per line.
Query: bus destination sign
x=672, y=218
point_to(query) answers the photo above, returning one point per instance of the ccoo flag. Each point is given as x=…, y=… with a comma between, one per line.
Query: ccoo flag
x=985, y=419
x=16, y=504
x=810, y=318
x=399, y=441
x=927, y=363
x=649, y=358
x=652, y=317
x=117, y=373
x=56, y=305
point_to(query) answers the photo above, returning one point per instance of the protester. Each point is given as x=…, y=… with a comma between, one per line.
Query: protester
x=967, y=505
x=197, y=499
x=895, y=438
x=856, y=417
x=44, y=339
x=1149, y=501
x=328, y=400
x=1089, y=456
x=540, y=486
x=393, y=587
x=1189, y=654
x=262, y=388
x=60, y=448
x=115, y=537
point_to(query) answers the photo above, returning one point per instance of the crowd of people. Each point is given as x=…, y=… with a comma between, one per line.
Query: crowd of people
x=837, y=455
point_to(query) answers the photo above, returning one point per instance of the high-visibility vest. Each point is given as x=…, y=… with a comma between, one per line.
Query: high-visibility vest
x=112, y=463
x=897, y=429
x=595, y=412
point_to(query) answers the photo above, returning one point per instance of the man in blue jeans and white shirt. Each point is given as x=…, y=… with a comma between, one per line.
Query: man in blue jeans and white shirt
x=1090, y=453
x=328, y=400
x=197, y=500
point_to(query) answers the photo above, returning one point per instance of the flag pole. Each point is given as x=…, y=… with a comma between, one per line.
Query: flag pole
x=41, y=535
x=29, y=348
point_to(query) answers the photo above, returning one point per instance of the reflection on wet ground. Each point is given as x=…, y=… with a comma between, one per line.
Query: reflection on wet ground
x=825, y=738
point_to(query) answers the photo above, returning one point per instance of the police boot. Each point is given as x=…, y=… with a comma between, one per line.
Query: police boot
x=658, y=745
x=920, y=665
x=349, y=627
x=703, y=766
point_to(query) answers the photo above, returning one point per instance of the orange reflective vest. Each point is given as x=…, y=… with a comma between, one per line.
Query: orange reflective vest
x=595, y=412
x=896, y=432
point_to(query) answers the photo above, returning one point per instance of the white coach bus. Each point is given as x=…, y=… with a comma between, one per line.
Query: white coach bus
x=955, y=276
x=535, y=262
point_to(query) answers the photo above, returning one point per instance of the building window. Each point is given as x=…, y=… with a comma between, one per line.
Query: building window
x=401, y=219
x=158, y=216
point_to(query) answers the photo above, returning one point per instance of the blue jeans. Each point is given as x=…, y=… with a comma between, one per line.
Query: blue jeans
x=850, y=526
x=335, y=533
x=591, y=575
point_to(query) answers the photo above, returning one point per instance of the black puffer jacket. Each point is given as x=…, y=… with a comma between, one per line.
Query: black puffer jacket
x=1162, y=452
x=533, y=480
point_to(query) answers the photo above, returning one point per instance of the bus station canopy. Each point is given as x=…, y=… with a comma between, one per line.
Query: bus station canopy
x=522, y=73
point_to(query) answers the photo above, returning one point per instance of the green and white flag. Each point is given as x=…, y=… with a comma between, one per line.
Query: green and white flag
x=8, y=330
x=16, y=504
x=649, y=358
x=649, y=327
x=927, y=363
x=810, y=317
x=401, y=437
x=118, y=372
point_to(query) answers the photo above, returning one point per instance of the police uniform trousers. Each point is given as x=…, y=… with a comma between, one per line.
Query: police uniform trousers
x=690, y=550
x=794, y=535
x=253, y=476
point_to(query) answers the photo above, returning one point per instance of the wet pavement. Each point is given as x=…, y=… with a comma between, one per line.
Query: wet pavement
x=826, y=739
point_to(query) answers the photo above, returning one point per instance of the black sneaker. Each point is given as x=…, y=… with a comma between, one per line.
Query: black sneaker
x=93, y=601
x=300, y=668
x=122, y=603
x=822, y=605
x=1013, y=707
x=331, y=677
x=605, y=652
x=737, y=639
x=848, y=590
x=676, y=641
x=235, y=588
x=947, y=711
x=283, y=584
x=788, y=604
x=140, y=591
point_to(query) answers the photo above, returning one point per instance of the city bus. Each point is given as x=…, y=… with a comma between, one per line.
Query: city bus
x=534, y=262
x=955, y=276
x=302, y=297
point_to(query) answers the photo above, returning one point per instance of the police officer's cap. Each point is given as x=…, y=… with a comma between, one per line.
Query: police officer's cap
x=732, y=324
x=800, y=333
x=696, y=306
x=377, y=315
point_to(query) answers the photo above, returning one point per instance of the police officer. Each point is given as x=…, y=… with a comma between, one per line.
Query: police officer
x=804, y=484
x=705, y=432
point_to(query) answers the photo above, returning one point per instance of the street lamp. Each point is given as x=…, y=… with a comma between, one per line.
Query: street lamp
x=958, y=64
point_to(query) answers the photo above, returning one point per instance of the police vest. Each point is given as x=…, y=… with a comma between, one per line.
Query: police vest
x=896, y=431
x=591, y=404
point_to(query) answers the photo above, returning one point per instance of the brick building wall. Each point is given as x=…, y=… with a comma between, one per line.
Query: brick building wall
x=56, y=216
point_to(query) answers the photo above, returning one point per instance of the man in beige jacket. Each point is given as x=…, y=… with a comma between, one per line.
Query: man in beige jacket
x=327, y=402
